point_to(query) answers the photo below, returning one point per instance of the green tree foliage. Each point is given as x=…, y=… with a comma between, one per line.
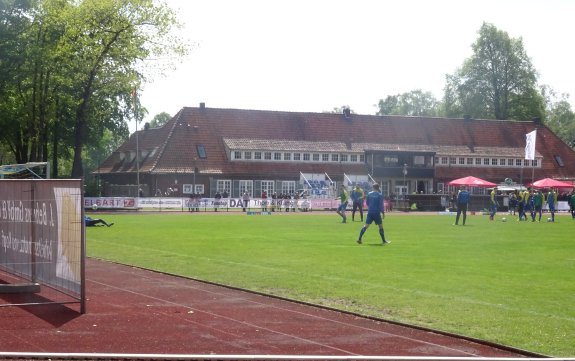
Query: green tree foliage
x=160, y=119
x=497, y=82
x=561, y=120
x=415, y=103
x=69, y=69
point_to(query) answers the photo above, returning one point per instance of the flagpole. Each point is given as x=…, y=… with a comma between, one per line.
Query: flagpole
x=137, y=144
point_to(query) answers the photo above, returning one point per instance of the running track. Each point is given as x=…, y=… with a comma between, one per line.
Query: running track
x=130, y=310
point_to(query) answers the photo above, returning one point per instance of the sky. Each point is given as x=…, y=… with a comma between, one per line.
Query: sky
x=317, y=55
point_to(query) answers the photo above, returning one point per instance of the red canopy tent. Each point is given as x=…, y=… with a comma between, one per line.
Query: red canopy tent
x=471, y=181
x=551, y=183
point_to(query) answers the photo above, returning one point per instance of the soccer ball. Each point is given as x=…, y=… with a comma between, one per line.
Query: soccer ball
x=503, y=219
x=549, y=219
x=95, y=207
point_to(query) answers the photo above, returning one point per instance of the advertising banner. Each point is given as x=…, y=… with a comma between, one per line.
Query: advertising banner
x=41, y=232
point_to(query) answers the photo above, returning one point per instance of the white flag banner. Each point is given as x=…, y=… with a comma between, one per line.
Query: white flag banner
x=530, y=139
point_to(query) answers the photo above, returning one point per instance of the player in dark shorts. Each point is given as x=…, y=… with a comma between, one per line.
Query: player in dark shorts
x=375, y=213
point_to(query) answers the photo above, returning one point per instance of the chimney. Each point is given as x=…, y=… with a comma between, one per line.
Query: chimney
x=202, y=106
x=346, y=113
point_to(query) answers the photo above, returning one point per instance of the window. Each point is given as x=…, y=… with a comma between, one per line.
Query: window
x=257, y=155
x=469, y=161
x=277, y=156
x=436, y=160
x=353, y=158
x=494, y=161
x=526, y=162
x=362, y=158
x=559, y=160
x=306, y=157
x=452, y=160
x=344, y=157
x=201, y=151
x=246, y=185
x=510, y=162
x=502, y=161
x=461, y=161
x=268, y=186
x=325, y=157
x=390, y=160
x=224, y=185
x=268, y=155
x=534, y=163
x=444, y=160
x=485, y=161
x=237, y=155
x=199, y=189
x=477, y=161
x=297, y=156
x=247, y=155
x=518, y=162
x=288, y=187
x=287, y=156
x=316, y=157
x=335, y=157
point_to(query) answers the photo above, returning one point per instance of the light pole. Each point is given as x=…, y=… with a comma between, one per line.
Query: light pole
x=404, y=171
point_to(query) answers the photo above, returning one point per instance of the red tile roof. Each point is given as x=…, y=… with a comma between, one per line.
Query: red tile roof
x=172, y=148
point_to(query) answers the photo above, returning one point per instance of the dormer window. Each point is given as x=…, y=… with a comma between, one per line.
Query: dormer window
x=201, y=151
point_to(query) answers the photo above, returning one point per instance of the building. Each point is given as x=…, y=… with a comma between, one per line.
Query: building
x=204, y=150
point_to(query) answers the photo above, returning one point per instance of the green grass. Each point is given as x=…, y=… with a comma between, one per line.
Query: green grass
x=512, y=283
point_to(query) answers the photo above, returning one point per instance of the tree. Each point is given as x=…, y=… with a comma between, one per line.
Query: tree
x=68, y=69
x=497, y=82
x=109, y=39
x=415, y=103
x=561, y=120
x=160, y=119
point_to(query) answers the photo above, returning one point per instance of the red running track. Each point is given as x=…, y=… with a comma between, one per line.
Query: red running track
x=130, y=310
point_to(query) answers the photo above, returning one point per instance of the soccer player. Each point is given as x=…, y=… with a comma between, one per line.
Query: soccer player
x=343, y=199
x=538, y=204
x=91, y=222
x=357, y=197
x=493, y=203
x=551, y=204
x=462, y=201
x=375, y=213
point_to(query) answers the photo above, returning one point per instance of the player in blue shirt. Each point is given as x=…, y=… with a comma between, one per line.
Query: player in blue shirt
x=375, y=213
x=462, y=202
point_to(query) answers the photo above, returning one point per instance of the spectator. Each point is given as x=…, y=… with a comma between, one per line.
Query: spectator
x=246, y=200
x=217, y=197
x=264, y=201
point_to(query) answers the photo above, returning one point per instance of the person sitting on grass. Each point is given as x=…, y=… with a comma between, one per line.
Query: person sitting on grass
x=91, y=222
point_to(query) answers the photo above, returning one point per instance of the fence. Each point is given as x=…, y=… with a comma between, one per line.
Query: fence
x=42, y=242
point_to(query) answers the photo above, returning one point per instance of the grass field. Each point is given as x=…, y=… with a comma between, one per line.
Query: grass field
x=512, y=283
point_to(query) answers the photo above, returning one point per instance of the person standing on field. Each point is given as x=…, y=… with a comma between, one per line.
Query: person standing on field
x=462, y=202
x=375, y=213
x=551, y=204
x=572, y=204
x=538, y=204
x=343, y=199
x=357, y=197
x=493, y=203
